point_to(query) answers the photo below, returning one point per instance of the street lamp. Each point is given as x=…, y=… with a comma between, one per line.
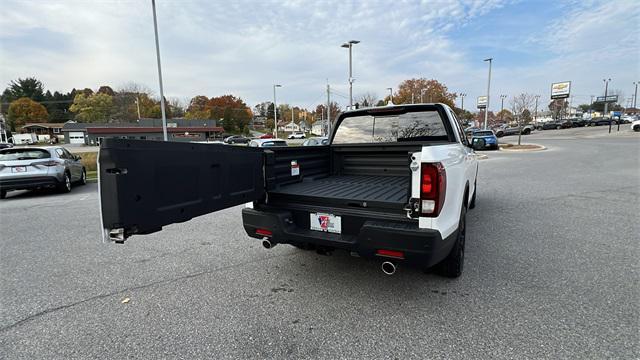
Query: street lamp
x=535, y=114
x=462, y=95
x=502, y=97
x=349, y=45
x=162, y=105
x=422, y=91
x=275, y=111
x=390, y=96
x=635, y=95
x=486, y=110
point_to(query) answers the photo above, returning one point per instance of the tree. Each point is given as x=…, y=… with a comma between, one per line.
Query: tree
x=557, y=106
x=431, y=91
x=505, y=115
x=106, y=90
x=31, y=88
x=521, y=107
x=93, y=108
x=367, y=100
x=198, y=103
x=463, y=115
x=25, y=110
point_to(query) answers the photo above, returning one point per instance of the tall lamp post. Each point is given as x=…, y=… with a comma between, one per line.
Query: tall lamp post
x=606, y=107
x=162, y=105
x=390, y=96
x=486, y=111
x=502, y=97
x=422, y=95
x=349, y=45
x=275, y=111
x=635, y=94
x=462, y=100
x=535, y=114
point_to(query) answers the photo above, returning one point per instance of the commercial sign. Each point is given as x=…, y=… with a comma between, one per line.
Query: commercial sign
x=560, y=90
x=609, y=99
x=482, y=102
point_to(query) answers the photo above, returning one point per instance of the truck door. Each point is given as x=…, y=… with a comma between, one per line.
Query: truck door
x=145, y=185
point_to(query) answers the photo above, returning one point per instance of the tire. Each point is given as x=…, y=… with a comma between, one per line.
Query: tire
x=3, y=194
x=526, y=131
x=453, y=264
x=499, y=134
x=65, y=186
x=539, y=128
x=636, y=128
x=558, y=127
x=472, y=205
x=83, y=177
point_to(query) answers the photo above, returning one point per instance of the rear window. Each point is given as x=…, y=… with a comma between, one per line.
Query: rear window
x=23, y=154
x=483, y=133
x=274, y=143
x=411, y=126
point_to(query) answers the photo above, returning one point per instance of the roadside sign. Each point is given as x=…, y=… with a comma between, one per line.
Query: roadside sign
x=482, y=102
x=560, y=90
x=609, y=99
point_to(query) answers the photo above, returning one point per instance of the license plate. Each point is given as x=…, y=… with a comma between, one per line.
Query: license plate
x=19, y=169
x=326, y=222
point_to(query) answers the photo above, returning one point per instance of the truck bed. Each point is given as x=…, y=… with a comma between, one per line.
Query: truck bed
x=350, y=190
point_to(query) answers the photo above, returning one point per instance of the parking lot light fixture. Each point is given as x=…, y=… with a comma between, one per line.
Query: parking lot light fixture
x=349, y=45
x=502, y=97
x=635, y=94
x=275, y=111
x=162, y=103
x=486, y=111
x=462, y=95
x=390, y=96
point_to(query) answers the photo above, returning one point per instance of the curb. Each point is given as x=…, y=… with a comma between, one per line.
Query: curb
x=539, y=148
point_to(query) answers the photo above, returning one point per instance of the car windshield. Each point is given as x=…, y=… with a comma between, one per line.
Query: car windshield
x=23, y=154
x=412, y=126
x=483, y=133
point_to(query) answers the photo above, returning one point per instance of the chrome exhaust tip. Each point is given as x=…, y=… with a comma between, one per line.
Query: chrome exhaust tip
x=388, y=268
x=268, y=244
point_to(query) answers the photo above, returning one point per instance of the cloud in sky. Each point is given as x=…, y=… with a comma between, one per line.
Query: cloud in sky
x=243, y=47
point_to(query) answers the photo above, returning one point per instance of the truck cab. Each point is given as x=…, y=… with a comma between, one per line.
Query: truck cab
x=394, y=184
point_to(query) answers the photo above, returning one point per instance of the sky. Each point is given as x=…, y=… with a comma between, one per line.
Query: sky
x=242, y=48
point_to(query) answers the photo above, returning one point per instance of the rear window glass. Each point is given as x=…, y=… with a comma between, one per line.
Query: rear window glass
x=412, y=126
x=274, y=143
x=483, y=133
x=23, y=154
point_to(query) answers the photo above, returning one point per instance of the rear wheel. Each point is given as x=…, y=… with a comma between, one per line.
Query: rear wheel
x=636, y=128
x=558, y=127
x=65, y=185
x=453, y=264
x=526, y=131
x=472, y=205
x=83, y=177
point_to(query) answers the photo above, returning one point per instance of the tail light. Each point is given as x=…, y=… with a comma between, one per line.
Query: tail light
x=46, y=163
x=433, y=186
x=264, y=232
x=390, y=253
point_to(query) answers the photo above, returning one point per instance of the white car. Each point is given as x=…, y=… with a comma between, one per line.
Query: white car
x=267, y=143
x=635, y=126
x=296, y=135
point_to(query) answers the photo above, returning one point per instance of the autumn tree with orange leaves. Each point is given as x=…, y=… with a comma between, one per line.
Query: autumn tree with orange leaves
x=423, y=90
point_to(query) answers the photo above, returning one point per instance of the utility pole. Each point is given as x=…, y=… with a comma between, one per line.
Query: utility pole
x=591, y=107
x=390, y=96
x=275, y=112
x=635, y=95
x=502, y=97
x=462, y=98
x=328, y=110
x=606, y=107
x=422, y=95
x=162, y=109
x=349, y=45
x=412, y=100
x=486, y=110
x=138, y=105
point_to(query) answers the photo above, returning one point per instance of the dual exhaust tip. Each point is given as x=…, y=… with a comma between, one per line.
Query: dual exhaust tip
x=388, y=267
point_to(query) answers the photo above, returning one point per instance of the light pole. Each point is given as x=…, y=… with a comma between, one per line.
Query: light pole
x=486, y=110
x=422, y=91
x=591, y=107
x=162, y=110
x=502, y=97
x=349, y=45
x=275, y=111
x=535, y=114
x=606, y=107
x=390, y=96
x=462, y=95
x=635, y=95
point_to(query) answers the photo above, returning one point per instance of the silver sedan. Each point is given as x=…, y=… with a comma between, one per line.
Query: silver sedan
x=38, y=167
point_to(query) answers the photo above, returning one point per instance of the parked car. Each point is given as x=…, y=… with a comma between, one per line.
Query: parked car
x=266, y=136
x=484, y=139
x=236, y=139
x=469, y=131
x=38, y=167
x=296, y=135
x=505, y=130
x=635, y=126
x=578, y=122
x=6, y=145
x=267, y=143
x=599, y=121
x=559, y=124
x=397, y=191
x=316, y=141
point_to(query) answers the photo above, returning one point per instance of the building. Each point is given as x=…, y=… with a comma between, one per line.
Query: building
x=304, y=126
x=45, y=132
x=291, y=127
x=319, y=127
x=144, y=129
x=258, y=122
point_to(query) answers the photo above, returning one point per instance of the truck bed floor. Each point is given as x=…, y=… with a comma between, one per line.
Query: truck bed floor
x=392, y=190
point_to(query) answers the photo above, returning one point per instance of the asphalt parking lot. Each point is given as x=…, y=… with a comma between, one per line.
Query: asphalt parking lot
x=551, y=272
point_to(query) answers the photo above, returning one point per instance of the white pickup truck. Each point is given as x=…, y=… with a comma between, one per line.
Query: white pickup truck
x=394, y=184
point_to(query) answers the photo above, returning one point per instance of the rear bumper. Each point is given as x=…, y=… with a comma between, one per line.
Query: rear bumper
x=421, y=247
x=28, y=182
